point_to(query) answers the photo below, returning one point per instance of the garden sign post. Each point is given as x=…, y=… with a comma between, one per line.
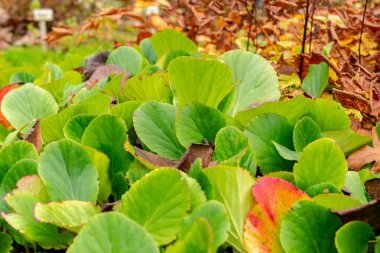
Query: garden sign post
x=43, y=16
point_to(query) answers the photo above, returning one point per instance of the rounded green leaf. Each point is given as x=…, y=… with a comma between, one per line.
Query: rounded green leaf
x=23, y=106
x=168, y=40
x=126, y=58
x=197, y=123
x=76, y=126
x=216, y=215
x=348, y=140
x=197, y=195
x=112, y=232
x=154, y=125
x=229, y=142
x=309, y=228
x=355, y=186
x=68, y=172
x=68, y=214
x=232, y=187
x=5, y=243
x=18, y=170
x=322, y=161
x=125, y=111
x=305, y=131
x=322, y=188
x=353, y=237
x=199, y=80
x=107, y=134
x=336, y=201
x=147, y=87
x=158, y=202
x=13, y=153
x=198, y=239
x=261, y=131
x=52, y=127
x=256, y=79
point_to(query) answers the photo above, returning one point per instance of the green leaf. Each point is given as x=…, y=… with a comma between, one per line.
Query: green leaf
x=216, y=215
x=355, y=186
x=112, y=232
x=198, y=239
x=125, y=111
x=261, y=131
x=229, y=142
x=13, y=153
x=147, y=87
x=147, y=51
x=198, y=80
x=377, y=247
x=22, y=201
x=168, y=40
x=336, y=201
x=5, y=243
x=69, y=214
x=18, y=170
x=322, y=188
x=321, y=161
x=286, y=153
x=316, y=80
x=196, y=123
x=305, y=131
x=348, y=140
x=52, y=127
x=329, y=115
x=232, y=187
x=24, y=105
x=197, y=196
x=101, y=163
x=51, y=72
x=154, y=125
x=284, y=175
x=309, y=228
x=256, y=79
x=21, y=77
x=292, y=110
x=76, y=126
x=353, y=237
x=107, y=134
x=67, y=171
x=57, y=87
x=159, y=206
x=126, y=58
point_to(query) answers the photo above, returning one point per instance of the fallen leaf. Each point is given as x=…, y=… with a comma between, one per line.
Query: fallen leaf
x=195, y=151
x=368, y=213
x=274, y=198
x=366, y=154
x=373, y=188
x=34, y=136
x=57, y=33
x=104, y=71
x=154, y=159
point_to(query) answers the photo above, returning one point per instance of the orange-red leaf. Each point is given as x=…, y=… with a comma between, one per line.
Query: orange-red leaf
x=57, y=33
x=274, y=198
x=4, y=91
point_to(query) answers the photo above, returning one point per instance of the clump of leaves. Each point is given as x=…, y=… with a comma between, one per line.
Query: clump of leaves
x=160, y=149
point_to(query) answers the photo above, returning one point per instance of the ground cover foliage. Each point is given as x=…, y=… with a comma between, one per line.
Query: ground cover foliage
x=164, y=152
x=162, y=147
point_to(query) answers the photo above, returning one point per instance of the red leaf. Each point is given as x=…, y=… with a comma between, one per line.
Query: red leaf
x=4, y=91
x=274, y=198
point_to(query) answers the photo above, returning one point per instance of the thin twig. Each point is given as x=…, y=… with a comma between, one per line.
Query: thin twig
x=315, y=4
x=361, y=31
x=304, y=39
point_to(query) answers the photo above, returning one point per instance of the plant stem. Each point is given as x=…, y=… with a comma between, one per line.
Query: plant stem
x=304, y=39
